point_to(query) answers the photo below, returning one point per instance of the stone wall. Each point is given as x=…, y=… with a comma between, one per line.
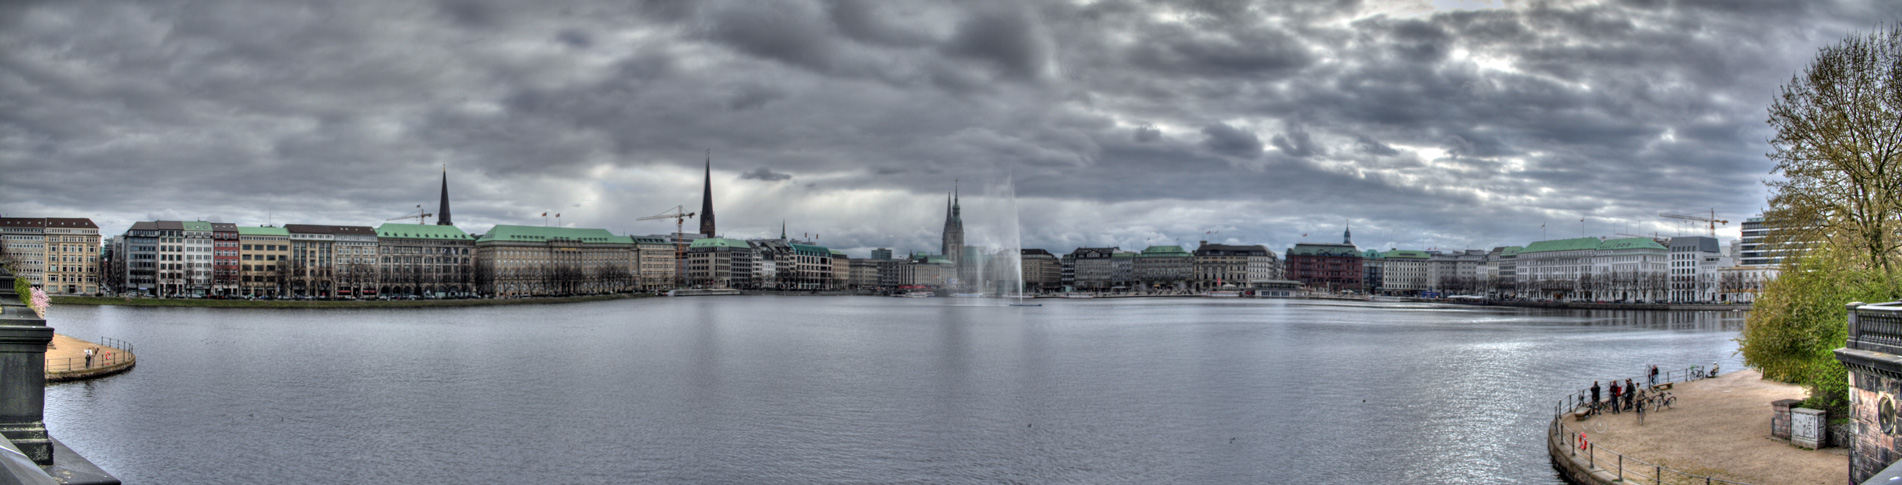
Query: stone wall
x=1875, y=382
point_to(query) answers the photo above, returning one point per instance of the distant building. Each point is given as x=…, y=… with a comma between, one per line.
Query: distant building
x=716, y=262
x=141, y=256
x=1216, y=265
x=1406, y=272
x=655, y=262
x=1165, y=268
x=952, y=241
x=1327, y=267
x=1696, y=265
x=1455, y=272
x=533, y=260
x=1042, y=271
x=1630, y=269
x=224, y=259
x=1122, y=267
x=60, y=254
x=416, y=259
x=264, y=256
x=882, y=254
x=1553, y=269
x=1091, y=268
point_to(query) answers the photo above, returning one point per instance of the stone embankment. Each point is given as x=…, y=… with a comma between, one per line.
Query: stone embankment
x=1718, y=428
x=66, y=359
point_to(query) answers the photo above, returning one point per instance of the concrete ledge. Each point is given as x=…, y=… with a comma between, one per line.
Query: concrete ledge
x=1574, y=469
x=95, y=372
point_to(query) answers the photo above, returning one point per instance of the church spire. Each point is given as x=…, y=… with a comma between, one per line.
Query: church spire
x=1347, y=236
x=706, y=200
x=442, y=211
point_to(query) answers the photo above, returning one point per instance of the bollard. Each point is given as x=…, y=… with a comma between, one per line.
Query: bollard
x=1621, y=468
x=1658, y=475
x=1591, y=455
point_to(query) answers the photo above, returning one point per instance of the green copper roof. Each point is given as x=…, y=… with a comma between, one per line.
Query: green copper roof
x=1511, y=250
x=837, y=253
x=196, y=225
x=1305, y=249
x=1165, y=252
x=421, y=231
x=544, y=234
x=1630, y=243
x=720, y=242
x=936, y=259
x=1573, y=244
x=1122, y=254
x=263, y=231
x=649, y=240
x=808, y=248
x=1372, y=254
x=1406, y=254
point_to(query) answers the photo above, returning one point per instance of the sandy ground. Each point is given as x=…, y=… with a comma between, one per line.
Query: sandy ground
x=65, y=347
x=1719, y=427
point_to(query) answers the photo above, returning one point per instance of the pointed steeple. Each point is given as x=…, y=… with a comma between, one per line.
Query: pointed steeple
x=442, y=211
x=706, y=200
x=1347, y=236
x=782, y=229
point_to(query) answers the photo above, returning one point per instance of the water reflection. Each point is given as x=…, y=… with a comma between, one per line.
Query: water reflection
x=817, y=389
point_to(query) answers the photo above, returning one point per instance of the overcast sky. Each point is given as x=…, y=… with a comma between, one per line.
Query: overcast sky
x=1444, y=124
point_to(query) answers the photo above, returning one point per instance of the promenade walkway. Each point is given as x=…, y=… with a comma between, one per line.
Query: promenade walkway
x=1719, y=427
x=66, y=359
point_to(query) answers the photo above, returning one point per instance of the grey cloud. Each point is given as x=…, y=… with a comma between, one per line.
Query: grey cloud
x=1543, y=109
x=1231, y=141
x=1005, y=38
x=765, y=174
x=1146, y=133
x=1296, y=143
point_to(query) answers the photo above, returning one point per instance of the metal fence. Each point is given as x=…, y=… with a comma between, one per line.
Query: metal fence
x=1625, y=468
x=111, y=352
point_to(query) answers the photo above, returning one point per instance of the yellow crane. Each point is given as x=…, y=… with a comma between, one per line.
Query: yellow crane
x=1712, y=221
x=680, y=219
x=421, y=216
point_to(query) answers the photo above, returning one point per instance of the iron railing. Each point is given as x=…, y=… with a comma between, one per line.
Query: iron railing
x=1624, y=467
x=112, y=352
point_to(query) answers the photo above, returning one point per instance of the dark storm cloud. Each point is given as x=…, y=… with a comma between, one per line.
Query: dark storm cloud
x=1437, y=128
x=1229, y=140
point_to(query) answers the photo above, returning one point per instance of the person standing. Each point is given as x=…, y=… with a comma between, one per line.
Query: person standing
x=89, y=357
x=1654, y=375
x=1594, y=395
x=1613, y=401
x=1631, y=391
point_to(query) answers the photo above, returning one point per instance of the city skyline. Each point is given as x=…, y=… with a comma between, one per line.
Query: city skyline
x=1119, y=124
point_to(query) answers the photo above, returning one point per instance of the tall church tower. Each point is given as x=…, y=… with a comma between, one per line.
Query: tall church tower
x=442, y=211
x=706, y=200
x=953, y=243
x=1347, y=236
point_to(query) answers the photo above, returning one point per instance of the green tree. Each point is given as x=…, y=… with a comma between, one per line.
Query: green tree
x=1838, y=208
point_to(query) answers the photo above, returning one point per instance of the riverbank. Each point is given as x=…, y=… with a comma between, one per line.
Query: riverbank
x=1718, y=427
x=1580, y=305
x=66, y=359
x=170, y=302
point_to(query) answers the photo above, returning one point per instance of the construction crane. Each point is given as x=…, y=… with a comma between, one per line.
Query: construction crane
x=421, y=216
x=680, y=219
x=1712, y=221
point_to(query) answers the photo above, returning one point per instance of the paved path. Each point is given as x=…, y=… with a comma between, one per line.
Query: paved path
x=1719, y=427
x=68, y=353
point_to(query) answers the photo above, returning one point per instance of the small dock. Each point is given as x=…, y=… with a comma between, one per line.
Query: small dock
x=66, y=358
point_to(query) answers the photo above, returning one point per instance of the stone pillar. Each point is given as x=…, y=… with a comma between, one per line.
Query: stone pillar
x=1780, y=417
x=23, y=340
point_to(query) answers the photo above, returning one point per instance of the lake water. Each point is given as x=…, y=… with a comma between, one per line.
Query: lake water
x=854, y=389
